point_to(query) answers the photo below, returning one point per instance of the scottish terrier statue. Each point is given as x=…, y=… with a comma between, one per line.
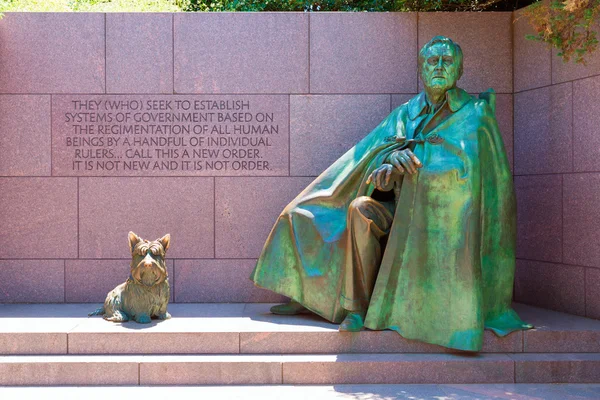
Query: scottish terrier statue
x=145, y=294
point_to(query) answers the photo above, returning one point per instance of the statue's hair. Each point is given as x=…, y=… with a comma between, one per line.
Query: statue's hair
x=458, y=54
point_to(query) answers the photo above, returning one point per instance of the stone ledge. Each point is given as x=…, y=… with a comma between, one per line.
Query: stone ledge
x=251, y=329
x=299, y=369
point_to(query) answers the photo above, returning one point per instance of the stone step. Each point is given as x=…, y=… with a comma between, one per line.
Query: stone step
x=299, y=369
x=251, y=329
x=322, y=392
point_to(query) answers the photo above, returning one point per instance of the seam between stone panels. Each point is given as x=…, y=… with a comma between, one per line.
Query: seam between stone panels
x=105, y=56
x=290, y=135
x=551, y=68
x=51, y=135
x=214, y=217
x=309, y=88
x=559, y=173
x=164, y=176
x=173, y=280
x=77, y=217
x=64, y=281
x=390, y=102
x=558, y=263
x=562, y=218
x=173, y=49
x=585, y=288
x=226, y=94
x=559, y=83
x=572, y=126
x=139, y=373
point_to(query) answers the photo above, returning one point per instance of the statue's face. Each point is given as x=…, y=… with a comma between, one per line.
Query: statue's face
x=440, y=69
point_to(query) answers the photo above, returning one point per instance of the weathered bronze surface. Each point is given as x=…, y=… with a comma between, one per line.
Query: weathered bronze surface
x=413, y=229
x=145, y=294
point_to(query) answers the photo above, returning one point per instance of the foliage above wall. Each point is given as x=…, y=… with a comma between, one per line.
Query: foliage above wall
x=566, y=25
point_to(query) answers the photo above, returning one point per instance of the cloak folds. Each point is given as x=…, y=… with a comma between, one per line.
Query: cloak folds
x=448, y=267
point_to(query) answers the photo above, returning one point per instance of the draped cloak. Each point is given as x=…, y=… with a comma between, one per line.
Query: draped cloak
x=447, y=271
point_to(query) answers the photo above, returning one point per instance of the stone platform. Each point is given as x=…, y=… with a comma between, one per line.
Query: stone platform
x=206, y=344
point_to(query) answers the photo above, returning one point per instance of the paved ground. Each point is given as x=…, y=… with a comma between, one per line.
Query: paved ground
x=354, y=392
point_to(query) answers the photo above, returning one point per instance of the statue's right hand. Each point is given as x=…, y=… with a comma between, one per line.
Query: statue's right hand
x=405, y=160
x=380, y=177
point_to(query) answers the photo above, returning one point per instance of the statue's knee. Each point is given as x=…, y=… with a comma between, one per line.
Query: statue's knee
x=359, y=205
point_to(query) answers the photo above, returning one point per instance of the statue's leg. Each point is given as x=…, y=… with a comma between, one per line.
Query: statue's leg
x=369, y=221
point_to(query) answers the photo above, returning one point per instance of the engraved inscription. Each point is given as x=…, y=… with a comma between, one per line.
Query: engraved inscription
x=125, y=135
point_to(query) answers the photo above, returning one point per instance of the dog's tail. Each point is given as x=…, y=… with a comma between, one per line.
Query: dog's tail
x=99, y=311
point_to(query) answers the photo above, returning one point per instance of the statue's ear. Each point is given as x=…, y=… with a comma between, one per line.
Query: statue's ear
x=165, y=241
x=133, y=240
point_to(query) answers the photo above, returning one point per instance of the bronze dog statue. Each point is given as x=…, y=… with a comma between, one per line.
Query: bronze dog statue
x=145, y=294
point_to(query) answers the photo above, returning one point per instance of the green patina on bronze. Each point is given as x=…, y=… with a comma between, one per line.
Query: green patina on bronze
x=448, y=266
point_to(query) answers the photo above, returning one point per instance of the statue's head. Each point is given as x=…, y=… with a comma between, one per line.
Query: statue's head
x=440, y=64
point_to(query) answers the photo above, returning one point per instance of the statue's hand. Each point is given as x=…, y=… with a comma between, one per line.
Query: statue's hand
x=381, y=177
x=405, y=161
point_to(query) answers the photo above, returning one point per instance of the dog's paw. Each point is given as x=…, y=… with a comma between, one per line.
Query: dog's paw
x=118, y=316
x=143, y=319
x=166, y=315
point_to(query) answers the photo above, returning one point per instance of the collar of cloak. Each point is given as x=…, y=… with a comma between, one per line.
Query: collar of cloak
x=455, y=97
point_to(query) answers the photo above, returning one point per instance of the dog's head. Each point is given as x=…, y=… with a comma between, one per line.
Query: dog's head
x=148, y=259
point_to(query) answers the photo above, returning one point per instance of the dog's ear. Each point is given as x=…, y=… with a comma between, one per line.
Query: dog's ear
x=133, y=240
x=165, y=241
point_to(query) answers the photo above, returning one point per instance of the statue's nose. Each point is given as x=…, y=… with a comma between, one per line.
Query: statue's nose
x=147, y=261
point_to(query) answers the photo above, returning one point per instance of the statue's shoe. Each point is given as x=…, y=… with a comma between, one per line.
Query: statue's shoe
x=354, y=322
x=291, y=308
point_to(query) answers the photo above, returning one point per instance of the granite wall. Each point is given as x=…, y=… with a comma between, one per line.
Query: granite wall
x=325, y=79
x=557, y=177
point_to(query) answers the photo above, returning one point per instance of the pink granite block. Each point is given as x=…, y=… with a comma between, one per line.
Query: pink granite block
x=399, y=99
x=562, y=72
x=555, y=286
x=556, y=332
x=219, y=281
x=581, y=210
x=33, y=343
x=323, y=128
x=67, y=370
x=245, y=217
x=139, y=53
x=241, y=53
x=592, y=294
x=543, y=127
x=363, y=52
x=556, y=368
x=139, y=341
x=485, y=39
x=32, y=281
x=39, y=217
x=150, y=207
x=586, y=120
x=89, y=281
x=211, y=370
x=532, y=64
x=52, y=53
x=24, y=135
x=397, y=368
x=539, y=217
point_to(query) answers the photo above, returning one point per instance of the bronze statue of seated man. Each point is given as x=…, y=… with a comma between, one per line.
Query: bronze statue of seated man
x=413, y=229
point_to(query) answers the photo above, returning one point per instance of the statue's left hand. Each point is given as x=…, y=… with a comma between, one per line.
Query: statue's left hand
x=381, y=178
